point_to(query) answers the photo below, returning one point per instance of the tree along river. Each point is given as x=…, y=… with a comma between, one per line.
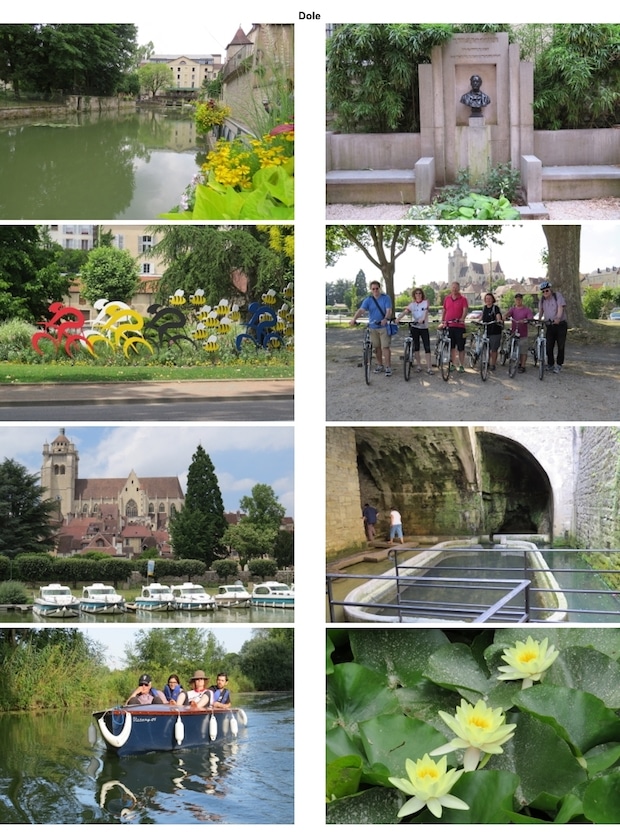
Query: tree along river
x=128, y=166
x=50, y=774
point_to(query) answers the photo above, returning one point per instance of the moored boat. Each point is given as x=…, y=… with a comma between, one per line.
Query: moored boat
x=57, y=602
x=101, y=598
x=133, y=730
x=232, y=595
x=273, y=594
x=191, y=596
x=155, y=597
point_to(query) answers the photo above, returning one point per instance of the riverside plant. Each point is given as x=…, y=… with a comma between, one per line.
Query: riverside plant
x=246, y=179
x=477, y=726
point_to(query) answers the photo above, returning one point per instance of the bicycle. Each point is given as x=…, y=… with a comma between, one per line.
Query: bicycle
x=443, y=349
x=480, y=348
x=408, y=353
x=504, y=347
x=539, y=350
x=367, y=355
x=514, y=341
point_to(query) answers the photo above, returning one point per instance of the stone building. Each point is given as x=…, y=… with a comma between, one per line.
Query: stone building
x=123, y=515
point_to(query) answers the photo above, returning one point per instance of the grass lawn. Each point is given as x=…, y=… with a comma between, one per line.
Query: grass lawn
x=39, y=374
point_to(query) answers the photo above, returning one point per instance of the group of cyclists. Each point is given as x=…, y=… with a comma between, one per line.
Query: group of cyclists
x=380, y=311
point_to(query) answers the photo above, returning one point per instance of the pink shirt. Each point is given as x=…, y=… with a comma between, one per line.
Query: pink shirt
x=454, y=308
x=519, y=315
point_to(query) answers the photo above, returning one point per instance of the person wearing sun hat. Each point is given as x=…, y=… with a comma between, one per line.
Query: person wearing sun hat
x=200, y=696
x=145, y=694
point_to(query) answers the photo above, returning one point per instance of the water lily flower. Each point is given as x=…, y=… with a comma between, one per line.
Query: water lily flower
x=527, y=661
x=429, y=783
x=480, y=730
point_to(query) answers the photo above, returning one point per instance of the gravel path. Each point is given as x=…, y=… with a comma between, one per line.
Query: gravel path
x=587, y=389
x=607, y=208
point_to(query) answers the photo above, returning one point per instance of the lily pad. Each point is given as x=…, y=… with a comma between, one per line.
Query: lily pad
x=400, y=654
x=374, y=806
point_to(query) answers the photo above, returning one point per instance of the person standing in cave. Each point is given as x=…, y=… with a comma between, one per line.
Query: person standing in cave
x=369, y=514
x=396, y=526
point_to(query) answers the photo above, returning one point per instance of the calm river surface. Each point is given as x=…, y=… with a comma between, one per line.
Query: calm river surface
x=50, y=774
x=220, y=616
x=130, y=166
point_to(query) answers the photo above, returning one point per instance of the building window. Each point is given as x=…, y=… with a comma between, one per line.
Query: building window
x=146, y=268
x=173, y=510
x=162, y=508
x=146, y=243
x=151, y=509
x=132, y=509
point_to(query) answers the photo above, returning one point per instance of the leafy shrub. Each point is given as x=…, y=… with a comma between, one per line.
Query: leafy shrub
x=34, y=568
x=225, y=567
x=477, y=207
x=263, y=567
x=12, y=592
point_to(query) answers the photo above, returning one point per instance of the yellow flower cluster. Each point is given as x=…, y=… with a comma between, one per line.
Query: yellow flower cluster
x=229, y=168
x=271, y=151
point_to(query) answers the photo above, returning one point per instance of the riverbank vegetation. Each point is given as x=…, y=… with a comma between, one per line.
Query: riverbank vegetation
x=58, y=668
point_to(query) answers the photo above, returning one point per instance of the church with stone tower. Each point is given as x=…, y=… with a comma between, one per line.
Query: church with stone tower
x=115, y=514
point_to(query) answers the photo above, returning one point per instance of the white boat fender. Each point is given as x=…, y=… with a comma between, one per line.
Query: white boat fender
x=116, y=740
x=243, y=718
x=225, y=724
x=92, y=734
x=179, y=730
x=234, y=726
x=212, y=727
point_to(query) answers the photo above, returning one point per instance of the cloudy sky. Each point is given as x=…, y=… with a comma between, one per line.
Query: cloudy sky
x=242, y=455
x=519, y=256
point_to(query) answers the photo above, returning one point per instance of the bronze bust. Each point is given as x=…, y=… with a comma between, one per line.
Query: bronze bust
x=475, y=98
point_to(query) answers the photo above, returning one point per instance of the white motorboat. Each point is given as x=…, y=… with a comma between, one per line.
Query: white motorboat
x=191, y=596
x=101, y=598
x=232, y=595
x=57, y=602
x=273, y=594
x=155, y=597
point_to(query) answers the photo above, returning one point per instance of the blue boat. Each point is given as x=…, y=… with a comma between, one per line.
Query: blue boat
x=134, y=730
x=57, y=602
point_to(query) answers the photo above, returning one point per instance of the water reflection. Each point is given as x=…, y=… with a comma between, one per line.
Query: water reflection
x=96, y=166
x=50, y=774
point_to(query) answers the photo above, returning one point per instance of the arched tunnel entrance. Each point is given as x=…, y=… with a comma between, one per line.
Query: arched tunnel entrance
x=454, y=480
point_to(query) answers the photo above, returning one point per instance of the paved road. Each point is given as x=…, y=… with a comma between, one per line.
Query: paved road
x=270, y=400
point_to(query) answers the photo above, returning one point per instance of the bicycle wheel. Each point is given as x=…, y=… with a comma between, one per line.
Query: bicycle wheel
x=484, y=361
x=505, y=348
x=444, y=360
x=407, y=357
x=542, y=357
x=513, y=362
x=367, y=362
x=472, y=356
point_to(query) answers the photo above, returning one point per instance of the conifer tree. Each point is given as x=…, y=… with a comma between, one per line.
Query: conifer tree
x=26, y=516
x=197, y=530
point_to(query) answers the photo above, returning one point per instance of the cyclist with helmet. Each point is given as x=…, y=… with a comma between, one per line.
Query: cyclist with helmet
x=552, y=310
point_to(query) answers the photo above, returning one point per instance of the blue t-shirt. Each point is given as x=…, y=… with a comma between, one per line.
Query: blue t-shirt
x=374, y=316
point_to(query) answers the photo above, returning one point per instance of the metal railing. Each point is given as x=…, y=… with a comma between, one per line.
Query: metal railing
x=515, y=600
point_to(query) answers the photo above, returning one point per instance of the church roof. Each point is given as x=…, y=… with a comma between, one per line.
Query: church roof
x=239, y=39
x=109, y=488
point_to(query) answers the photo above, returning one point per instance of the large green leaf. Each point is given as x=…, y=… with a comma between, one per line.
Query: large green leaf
x=343, y=777
x=339, y=744
x=602, y=757
x=605, y=640
x=279, y=184
x=601, y=799
x=541, y=759
x=391, y=739
x=374, y=806
x=588, y=670
x=581, y=719
x=454, y=667
x=356, y=693
x=401, y=654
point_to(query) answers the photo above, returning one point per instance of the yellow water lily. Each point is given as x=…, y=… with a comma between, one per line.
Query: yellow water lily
x=527, y=661
x=429, y=783
x=480, y=730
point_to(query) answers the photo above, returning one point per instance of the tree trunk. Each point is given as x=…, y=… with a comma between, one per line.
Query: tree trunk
x=563, y=243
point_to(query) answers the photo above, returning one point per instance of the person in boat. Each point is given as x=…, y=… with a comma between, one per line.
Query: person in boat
x=173, y=690
x=221, y=695
x=145, y=694
x=199, y=697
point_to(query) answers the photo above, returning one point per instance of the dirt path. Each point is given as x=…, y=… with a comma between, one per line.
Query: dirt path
x=587, y=389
